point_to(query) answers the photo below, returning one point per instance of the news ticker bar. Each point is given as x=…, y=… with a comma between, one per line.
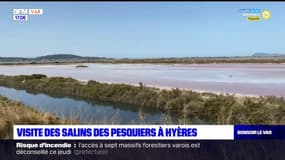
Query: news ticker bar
x=147, y=132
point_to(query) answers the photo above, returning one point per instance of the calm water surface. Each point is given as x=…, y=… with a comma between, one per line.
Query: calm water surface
x=255, y=79
x=88, y=112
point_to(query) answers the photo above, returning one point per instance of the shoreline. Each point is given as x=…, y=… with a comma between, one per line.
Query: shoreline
x=15, y=112
x=150, y=63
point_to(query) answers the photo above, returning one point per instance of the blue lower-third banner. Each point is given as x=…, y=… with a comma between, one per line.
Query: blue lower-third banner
x=148, y=132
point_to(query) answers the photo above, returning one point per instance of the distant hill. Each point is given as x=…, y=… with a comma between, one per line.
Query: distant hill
x=268, y=55
x=53, y=58
x=58, y=56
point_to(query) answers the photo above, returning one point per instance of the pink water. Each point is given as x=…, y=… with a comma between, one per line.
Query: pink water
x=250, y=79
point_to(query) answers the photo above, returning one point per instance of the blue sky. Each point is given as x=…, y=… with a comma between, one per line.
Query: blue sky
x=141, y=29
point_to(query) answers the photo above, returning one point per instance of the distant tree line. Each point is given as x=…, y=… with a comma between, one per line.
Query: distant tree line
x=69, y=58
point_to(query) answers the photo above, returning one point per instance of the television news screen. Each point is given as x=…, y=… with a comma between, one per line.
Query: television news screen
x=142, y=80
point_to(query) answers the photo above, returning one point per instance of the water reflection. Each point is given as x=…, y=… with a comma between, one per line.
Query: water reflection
x=88, y=111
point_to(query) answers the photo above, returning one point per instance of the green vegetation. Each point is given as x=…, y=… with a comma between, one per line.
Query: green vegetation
x=12, y=112
x=218, y=109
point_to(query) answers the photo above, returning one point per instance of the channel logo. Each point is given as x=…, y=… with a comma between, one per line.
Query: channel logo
x=22, y=14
